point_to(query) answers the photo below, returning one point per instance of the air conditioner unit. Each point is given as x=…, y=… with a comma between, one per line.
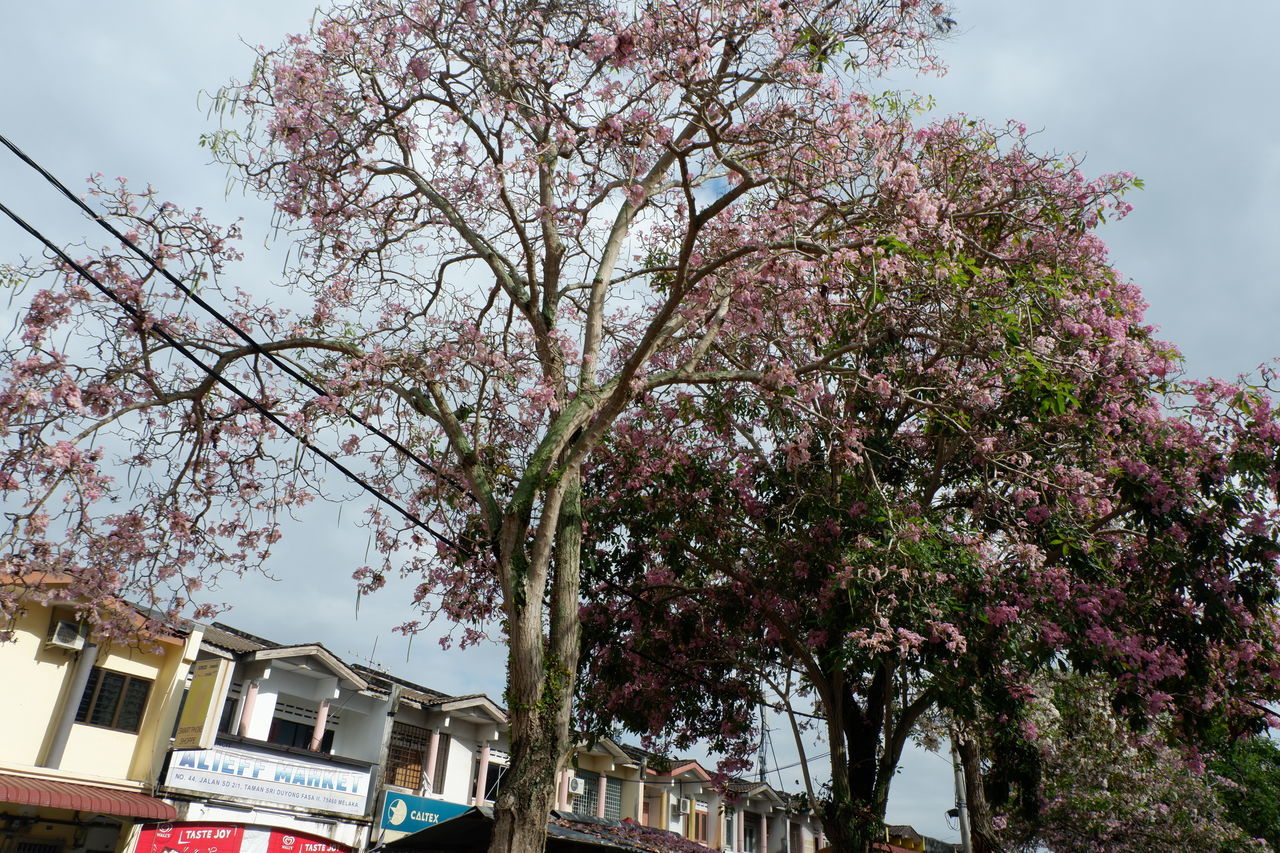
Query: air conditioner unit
x=686, y=805
x=66, y=635
x=577, y=787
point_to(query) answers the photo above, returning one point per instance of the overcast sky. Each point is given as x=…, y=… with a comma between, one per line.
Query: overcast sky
x=1182, y=94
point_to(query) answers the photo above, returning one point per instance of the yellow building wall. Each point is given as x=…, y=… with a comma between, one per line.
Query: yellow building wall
x=630, y=776
x=39, y=680
x=35, y=681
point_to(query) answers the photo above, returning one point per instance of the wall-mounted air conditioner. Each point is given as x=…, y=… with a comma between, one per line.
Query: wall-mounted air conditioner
x=66, y=635
x=686, y=805
x=577, y=787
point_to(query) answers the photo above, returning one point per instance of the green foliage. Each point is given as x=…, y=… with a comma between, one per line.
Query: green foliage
x=1250, y=786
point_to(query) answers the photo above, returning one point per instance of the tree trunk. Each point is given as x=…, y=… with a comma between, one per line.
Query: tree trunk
x=541, y=671
x=855, y=817
x=981, y=827
x=526, y=798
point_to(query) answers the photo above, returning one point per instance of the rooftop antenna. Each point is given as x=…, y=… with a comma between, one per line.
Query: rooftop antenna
x=371, y=660
x=763, y=762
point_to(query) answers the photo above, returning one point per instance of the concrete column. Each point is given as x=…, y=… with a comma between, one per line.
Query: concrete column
x=562, y=790
x=482, y=775
x=601, y=787
x=317, y=731
x=740, y=830
x=75, y=693
x=429, y=766
x=764, y=833
x=246, y=707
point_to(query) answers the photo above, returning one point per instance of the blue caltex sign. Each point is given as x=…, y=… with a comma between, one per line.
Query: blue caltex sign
x=407, y=813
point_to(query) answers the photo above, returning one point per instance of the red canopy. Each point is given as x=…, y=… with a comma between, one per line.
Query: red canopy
x=56, y=794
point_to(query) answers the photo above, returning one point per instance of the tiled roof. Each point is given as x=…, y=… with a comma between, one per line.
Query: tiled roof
x=381, y=682
x=625, y=834
x=234, y=640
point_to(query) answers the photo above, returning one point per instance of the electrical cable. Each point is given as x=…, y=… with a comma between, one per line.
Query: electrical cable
x=138, y=316
x=809, y=760
x=243, y=335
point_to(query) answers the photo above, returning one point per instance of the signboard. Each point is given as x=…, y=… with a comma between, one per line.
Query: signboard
x=286, y=842
x=228, y=838
x=198, y=725
x=190, y=838
x=265, y=777
x=407, y=813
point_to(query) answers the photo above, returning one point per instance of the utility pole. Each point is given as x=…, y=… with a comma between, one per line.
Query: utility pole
x=962, y=801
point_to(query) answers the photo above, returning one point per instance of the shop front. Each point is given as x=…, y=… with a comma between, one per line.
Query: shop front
x=229, y=838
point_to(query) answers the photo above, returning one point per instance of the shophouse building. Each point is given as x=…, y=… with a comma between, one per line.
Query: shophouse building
x=312, y=755
x=612, y=781
x=86, y=721
x=212, y=740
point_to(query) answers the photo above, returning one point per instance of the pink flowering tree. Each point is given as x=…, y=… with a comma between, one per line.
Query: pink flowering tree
x=998, y=473
x=512, y=222
x=1098, y=784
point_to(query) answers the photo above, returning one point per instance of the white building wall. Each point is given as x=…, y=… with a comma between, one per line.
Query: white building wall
x=363, y=728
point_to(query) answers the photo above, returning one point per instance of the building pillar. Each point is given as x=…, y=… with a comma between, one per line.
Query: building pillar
x=740, y=830
x=429, y=766
x=317, y=731
x=764, y=833
x=602, y=785
x=482, y=774
x=249, y=696
x=67, y=714
x=562, y=790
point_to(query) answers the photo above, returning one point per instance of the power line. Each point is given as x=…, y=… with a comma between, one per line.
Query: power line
x=138, y=316
x=243, y=335
x=809, y=760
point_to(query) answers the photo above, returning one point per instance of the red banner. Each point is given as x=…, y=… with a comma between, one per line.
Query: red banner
x=190, y=838
x=286, y=842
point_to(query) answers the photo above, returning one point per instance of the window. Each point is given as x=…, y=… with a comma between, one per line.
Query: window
x=442, y=765
x=114, y=700
x=493, y=777
x=227, y=722
x=588, y=801
x=751, y=831
x=292, y=733
x=700, y=815
x=585, y=803
x=613, y=798
x=405, y=753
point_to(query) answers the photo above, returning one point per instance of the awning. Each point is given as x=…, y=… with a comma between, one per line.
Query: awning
x=567, y=832
x=55, y=794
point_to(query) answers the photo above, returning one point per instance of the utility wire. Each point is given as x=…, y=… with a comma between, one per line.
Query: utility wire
x=138, y=317
x=243, y=335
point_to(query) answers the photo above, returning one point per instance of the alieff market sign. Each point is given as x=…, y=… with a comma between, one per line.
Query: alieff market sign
x=248, y=774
